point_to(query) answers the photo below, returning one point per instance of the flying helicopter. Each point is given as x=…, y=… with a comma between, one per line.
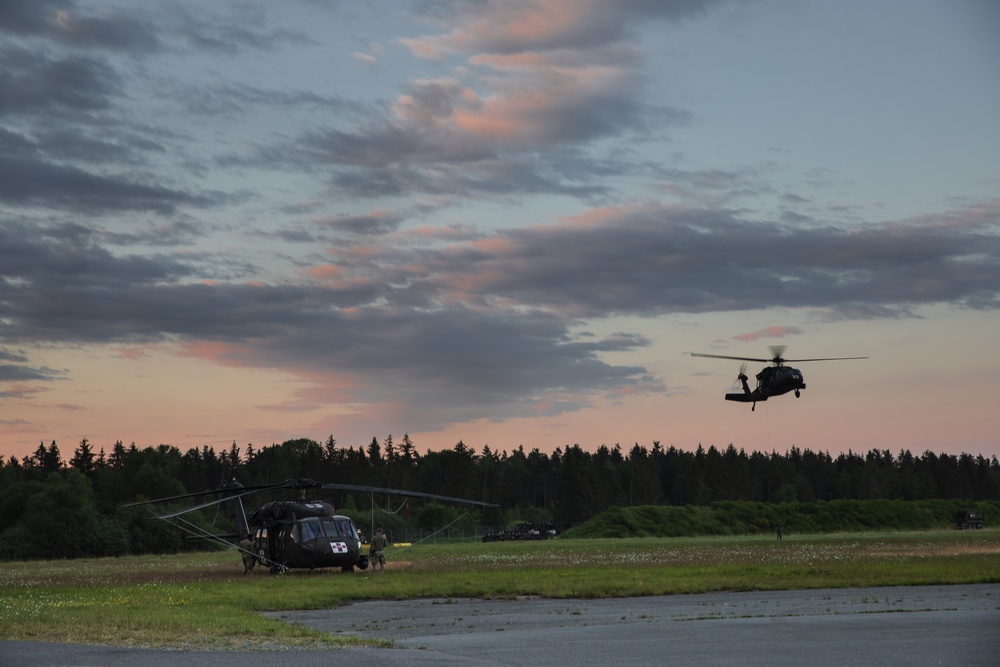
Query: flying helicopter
x=302, y=533
x=772, y=380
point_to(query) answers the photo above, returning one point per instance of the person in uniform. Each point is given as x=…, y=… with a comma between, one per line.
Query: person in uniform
x=376, y=551
x=246, y=550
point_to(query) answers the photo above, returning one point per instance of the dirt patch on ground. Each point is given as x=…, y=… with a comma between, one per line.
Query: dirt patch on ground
x=399, y=565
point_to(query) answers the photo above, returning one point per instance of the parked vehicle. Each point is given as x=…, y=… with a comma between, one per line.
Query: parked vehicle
x=967, y=520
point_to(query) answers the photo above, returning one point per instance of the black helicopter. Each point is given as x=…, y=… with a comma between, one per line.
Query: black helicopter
x=301, y=533
x=772, y=380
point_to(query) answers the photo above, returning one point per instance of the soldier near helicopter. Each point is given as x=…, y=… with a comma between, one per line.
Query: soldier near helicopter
x=376, y=551
x=246, y=551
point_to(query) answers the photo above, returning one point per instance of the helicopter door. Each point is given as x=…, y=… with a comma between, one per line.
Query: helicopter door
x=260, y=545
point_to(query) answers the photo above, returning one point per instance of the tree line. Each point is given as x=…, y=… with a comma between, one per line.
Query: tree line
x=52, y=507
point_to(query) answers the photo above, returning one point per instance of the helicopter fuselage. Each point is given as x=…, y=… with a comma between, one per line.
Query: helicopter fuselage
x=771, y=381
x=305, y=534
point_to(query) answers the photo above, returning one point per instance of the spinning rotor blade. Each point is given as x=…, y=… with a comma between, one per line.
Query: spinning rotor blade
x=797, y=361
x=777, y=359
x=722, y=356
x=741, y=375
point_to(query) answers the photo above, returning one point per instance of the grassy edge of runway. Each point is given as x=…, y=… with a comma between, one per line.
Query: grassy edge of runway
x=201, y=601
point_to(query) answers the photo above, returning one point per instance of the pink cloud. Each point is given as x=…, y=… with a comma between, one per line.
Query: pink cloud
x=22, y=391
x=137, y=352
x=326, y=272
x=544, y=104
x=769, y=332
x=234, y=355
x=551, y=77
x=606, y=215
x=513, y=27
x=446, y=233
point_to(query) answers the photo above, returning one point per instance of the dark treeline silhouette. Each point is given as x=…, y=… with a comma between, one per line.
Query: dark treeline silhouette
x=54, y=508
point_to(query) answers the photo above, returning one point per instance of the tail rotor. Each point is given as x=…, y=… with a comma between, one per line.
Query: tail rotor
x=741, y=376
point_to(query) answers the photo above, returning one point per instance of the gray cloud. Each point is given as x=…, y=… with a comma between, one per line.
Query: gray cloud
x=7, y=355
x=41, y=262
x=234, y=100
x=29, y=181
x=63, y=137
x=19, y=373
x=14, y=368
x=62, y=21
x=245, y=27
x=33, y=82
x=361, y=225
x=663, y=260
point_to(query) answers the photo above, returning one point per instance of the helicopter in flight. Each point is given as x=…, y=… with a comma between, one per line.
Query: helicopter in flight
x=772, y=380
x=283, y=535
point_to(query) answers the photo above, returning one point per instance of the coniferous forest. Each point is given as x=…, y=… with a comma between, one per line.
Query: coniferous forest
x=52, y=506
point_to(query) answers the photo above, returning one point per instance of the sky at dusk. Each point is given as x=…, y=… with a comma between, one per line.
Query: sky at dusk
x=502, y=222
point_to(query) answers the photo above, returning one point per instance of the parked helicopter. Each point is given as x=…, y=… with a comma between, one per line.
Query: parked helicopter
x=292, y=534
x=772, y=380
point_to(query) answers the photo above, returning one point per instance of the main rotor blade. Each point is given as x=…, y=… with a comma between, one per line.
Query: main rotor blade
x=307, y=483
x=217, y=501
x=771, y=361
x=798, y=361
x=722, y=356
x=402, y=492
x=298, y=484
x=266, y=487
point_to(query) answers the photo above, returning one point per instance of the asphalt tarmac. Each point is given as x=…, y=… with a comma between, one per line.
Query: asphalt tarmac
x=925, y=625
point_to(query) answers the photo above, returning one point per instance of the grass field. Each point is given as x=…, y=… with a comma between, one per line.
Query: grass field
x=202, y=601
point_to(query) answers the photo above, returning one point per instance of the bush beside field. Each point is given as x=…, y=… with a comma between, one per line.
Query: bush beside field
x=748, y=518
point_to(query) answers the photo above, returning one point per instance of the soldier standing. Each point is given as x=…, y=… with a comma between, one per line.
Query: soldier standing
x=376, y=551
x=246, y=550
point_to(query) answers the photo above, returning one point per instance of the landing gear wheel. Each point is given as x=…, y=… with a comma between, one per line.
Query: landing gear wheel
x=797, y=393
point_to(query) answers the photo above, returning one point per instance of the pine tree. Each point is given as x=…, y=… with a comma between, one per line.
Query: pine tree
x=83, y=458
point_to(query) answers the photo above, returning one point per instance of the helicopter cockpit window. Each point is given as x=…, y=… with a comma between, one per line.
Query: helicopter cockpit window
x=310, y=530
x=347, y=528
x=339, y=528
x=330, y=528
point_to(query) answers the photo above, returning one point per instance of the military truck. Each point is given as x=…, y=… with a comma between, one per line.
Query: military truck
x=967, y=520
